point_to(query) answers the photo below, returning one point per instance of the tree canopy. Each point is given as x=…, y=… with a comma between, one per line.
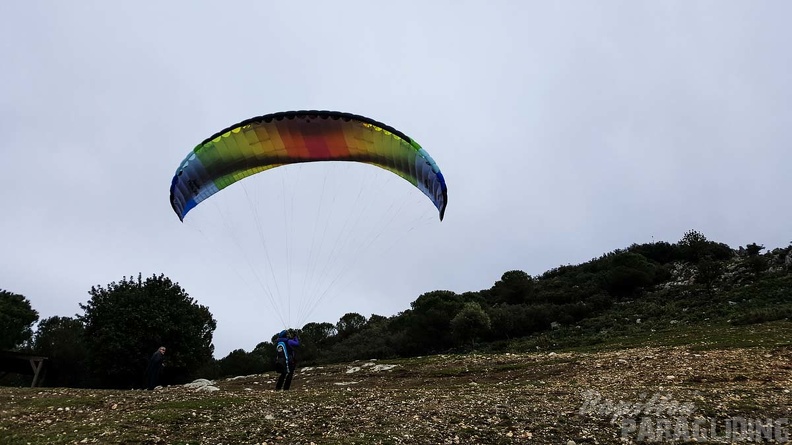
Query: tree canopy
x=125, y=322
x=62, y=341
x=17, y=317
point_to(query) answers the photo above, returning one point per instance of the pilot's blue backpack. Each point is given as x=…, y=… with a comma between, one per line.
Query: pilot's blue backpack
x=281, y=358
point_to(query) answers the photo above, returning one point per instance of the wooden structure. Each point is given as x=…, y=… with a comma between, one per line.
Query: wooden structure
x=21, y=363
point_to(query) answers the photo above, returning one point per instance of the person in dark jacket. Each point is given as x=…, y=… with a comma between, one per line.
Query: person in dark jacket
x=285, y=362
x=156, y=363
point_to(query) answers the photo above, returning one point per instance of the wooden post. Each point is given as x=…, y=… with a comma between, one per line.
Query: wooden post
x=36, y=363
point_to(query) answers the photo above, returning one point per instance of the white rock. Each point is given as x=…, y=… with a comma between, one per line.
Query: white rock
x=198, y=383
x=310, y=368
x=242, y=377
x=383, y=367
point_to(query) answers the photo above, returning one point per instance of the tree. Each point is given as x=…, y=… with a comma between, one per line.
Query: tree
x=266, y=350
x=692, y=238
x=375, y=320
x=753, y=249
x=756, y=264
x=470, y=323
x=443, y=300
x=660, y=252
x=518, y=320
x=314, y=338
x=373, y=341
x=707, y=272
x=238, y=362
x=16, y=320
x=126, y=322
x=627, y=273
x=350, y=323
x=694, y=246
x=317, y=332
x=514, y=287
x=427, y=327
x=62, y=340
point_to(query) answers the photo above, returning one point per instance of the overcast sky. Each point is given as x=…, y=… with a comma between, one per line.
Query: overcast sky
x=564, y=130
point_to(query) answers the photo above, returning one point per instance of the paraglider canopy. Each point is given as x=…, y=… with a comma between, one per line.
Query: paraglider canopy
x=273, y=140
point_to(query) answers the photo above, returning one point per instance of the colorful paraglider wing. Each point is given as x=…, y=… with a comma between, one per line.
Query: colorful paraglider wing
x=270, y=141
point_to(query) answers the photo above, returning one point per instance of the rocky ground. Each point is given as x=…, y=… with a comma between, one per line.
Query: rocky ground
x=646, y=394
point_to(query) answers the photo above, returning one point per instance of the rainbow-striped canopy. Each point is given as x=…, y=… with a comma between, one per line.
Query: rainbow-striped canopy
x=291, y=137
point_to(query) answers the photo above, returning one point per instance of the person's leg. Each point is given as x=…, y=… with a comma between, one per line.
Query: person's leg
x=289, y=376
x=281, y=379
